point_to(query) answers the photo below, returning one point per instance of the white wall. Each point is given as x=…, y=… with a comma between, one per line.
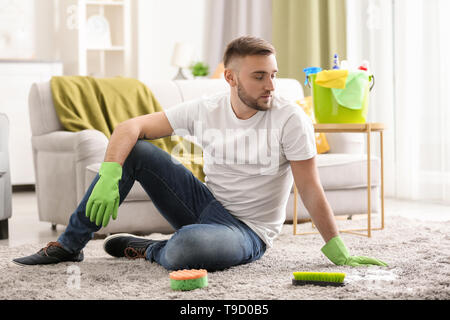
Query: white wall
x=162, y=23
x=47, y=23
x=17, y=29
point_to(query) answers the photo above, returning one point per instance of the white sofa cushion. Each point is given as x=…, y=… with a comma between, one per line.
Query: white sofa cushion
x=343, y=202
x=166, y=93
x=347, y=171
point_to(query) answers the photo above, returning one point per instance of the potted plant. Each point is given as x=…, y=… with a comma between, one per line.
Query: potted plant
x=199, y=69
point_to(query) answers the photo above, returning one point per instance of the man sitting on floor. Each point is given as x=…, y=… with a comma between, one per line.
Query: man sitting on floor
x=239, y=211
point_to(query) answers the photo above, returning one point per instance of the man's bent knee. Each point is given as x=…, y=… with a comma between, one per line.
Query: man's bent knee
x=194, y=247
x=146, y=152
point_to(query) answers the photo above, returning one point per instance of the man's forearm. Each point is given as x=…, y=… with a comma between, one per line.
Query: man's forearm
x=320, y=212
x=122, y=140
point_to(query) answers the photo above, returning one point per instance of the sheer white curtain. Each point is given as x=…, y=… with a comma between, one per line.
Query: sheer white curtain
x=370, y=37
x=407, y=43
x=229, y=19
x=422, y=92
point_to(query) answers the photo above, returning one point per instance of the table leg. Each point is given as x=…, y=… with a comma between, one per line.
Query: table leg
x=382, y=180
x=368, y=183
x=295, y=210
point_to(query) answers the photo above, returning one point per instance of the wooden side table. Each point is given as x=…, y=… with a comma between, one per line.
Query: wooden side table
x=366, y=128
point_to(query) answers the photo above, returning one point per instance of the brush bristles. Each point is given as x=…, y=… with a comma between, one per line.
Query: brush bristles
x=320, y=276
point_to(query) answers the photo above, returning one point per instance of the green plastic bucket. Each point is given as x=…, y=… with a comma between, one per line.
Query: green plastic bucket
x=328, y=110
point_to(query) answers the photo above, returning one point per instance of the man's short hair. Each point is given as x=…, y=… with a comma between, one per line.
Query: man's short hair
x=246, y=46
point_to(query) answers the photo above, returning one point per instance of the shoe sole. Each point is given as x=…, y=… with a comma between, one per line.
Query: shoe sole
x=21, y=264
x=120, y=235
x=43, y=264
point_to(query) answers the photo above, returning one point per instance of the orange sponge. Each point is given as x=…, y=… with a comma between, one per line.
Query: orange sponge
x=188, y=279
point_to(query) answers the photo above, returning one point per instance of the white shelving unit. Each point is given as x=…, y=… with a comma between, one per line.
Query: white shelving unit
x=82, y=58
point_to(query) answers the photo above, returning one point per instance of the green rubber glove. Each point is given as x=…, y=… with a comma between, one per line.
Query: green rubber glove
x=337, y=252
x=104, y=199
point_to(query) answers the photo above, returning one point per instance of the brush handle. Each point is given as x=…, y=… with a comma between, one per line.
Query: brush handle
x=317, y=283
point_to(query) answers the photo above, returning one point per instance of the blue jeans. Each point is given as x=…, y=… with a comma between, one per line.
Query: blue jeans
x=207, y=236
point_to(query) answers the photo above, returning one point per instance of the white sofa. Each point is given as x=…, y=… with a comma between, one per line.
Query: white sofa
x=65, y=162
x=5, y=177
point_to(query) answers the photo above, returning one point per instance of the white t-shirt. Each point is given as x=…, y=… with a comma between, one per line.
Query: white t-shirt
x=246, y=162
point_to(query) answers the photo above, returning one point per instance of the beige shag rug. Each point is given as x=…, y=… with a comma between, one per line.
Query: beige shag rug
x=418, y=254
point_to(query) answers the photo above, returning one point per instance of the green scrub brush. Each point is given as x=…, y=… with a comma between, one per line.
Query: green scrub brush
x=319, y=278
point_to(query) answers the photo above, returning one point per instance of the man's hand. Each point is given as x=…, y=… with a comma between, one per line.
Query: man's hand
x=104, y=199
x=336, y=251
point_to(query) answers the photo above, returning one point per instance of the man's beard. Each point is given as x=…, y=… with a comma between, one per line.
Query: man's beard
x=250, y=102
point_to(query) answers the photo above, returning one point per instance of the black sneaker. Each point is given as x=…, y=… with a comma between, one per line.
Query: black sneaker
x=127, y=245
x=51, y=254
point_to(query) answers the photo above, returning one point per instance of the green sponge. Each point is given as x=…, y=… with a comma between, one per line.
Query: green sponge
x=188, y=279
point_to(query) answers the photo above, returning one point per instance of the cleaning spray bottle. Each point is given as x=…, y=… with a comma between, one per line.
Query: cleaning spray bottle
x=309, y=71
x=365, y=66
